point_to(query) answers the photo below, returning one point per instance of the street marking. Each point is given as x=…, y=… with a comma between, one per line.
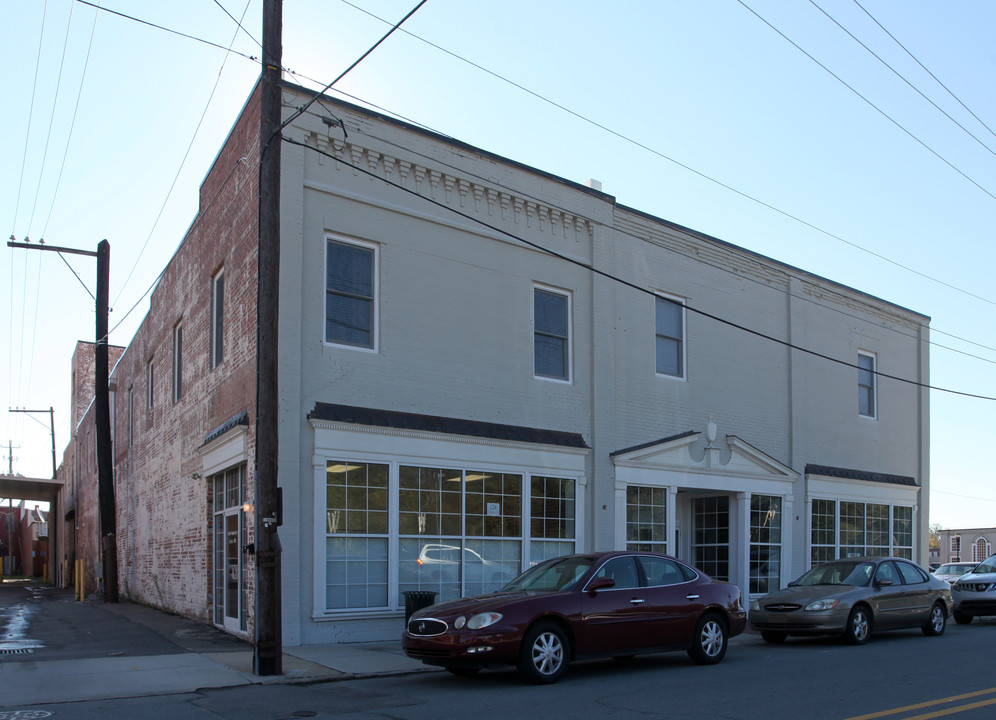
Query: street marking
x=933, y=703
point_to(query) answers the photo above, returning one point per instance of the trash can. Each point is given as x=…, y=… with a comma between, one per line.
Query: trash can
x=416, y=600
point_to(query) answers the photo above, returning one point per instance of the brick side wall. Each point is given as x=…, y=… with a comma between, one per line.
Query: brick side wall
x=164, y=510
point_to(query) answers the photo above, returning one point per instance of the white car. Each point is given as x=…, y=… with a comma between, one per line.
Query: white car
x=953, y=570
x=975, y=593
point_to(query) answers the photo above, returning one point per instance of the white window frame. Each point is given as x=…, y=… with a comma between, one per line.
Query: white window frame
x=217, y=348
x=375, y=299
x=177, y=362
x=683, y=340
x=569, y=340
x=874, y=384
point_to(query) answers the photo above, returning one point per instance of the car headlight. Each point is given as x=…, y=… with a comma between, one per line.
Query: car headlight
x=822, y=605
x=755, y=604
x=483, y=620
x=460, y=622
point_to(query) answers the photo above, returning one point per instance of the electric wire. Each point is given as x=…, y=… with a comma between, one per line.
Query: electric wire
x=31, y=113
x=51, y=121
x=926, y=69
x=614, y=278
x=166, y=29
x=183, y=162
x=868, y=102
x=239, y=22
x=341, y=75
x=901, y=77
x=72, y=126
x=703, y=261
x=678, y=163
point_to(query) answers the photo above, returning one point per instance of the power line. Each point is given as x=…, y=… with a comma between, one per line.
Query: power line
x=868, y=102
x=239, y=22
x=31, y=112
x=72, y=126
x=166, y=29
x=663, y=156
x=343, y=74
x=900, y=76
x=927, y=70
x=629, y=284
x=183, y=162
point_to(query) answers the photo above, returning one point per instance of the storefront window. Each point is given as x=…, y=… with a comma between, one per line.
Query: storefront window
x=864, y=529
x=356, y=561
x=646, y=518
x=456, y=532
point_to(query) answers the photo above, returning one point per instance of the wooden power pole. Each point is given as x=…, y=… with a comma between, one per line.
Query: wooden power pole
x=268, y=651
x=102, y=415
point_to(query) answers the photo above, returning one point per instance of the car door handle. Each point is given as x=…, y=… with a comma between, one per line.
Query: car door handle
x=637, y=601
x=691, y=597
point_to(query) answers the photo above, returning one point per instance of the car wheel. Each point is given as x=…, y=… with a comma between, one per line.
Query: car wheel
x=462, y=671
x=962, y=618
x=859, y=625
x=709, y=643
x=774, y=637
x=937, y=622
x=544, y=654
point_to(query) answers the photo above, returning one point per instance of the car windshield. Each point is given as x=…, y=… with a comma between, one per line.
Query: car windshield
x=986, y=566
x=838, y=573
x=552, y=576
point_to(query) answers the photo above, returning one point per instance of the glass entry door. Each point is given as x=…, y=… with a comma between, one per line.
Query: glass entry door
x=711, y=536
x=229, y=570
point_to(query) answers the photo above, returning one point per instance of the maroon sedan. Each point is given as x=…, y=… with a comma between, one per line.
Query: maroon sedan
x=614, y=604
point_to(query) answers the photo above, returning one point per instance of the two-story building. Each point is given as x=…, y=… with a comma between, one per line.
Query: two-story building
x=482, y=365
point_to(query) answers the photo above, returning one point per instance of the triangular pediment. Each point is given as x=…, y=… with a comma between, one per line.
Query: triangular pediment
x=691, y=452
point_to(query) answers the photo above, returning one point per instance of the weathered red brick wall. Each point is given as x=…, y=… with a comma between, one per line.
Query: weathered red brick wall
x=164, y=512
x=80, y=539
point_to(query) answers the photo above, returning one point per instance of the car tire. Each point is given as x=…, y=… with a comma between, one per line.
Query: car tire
x=710, y=640
x=773, y=637
x=462, y=671
x=544, y=654
x=937, y=622
x=859, y=626
x=962, y=618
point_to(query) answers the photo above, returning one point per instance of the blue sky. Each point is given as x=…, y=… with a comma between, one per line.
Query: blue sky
x=871, y=185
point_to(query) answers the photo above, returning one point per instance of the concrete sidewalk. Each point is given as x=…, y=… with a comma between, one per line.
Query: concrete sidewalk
x=54, y=649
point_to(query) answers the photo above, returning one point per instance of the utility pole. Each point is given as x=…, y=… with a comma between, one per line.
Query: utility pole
x=10, y=456
x=102, y=415
x=268, y=648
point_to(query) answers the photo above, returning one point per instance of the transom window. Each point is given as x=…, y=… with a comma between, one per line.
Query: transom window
x=551, y=334
x=670, y=337
x=350, y=288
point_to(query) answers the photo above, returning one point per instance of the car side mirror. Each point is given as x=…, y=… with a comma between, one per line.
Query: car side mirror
x=884, y=582
x=602, y=583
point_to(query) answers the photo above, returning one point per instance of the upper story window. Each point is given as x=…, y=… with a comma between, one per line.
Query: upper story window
x=551, y=334
x=150, y=385
x=217, y=319
x=350, y=293
x=670, y=337
x=866, y=385
x=177, y=362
